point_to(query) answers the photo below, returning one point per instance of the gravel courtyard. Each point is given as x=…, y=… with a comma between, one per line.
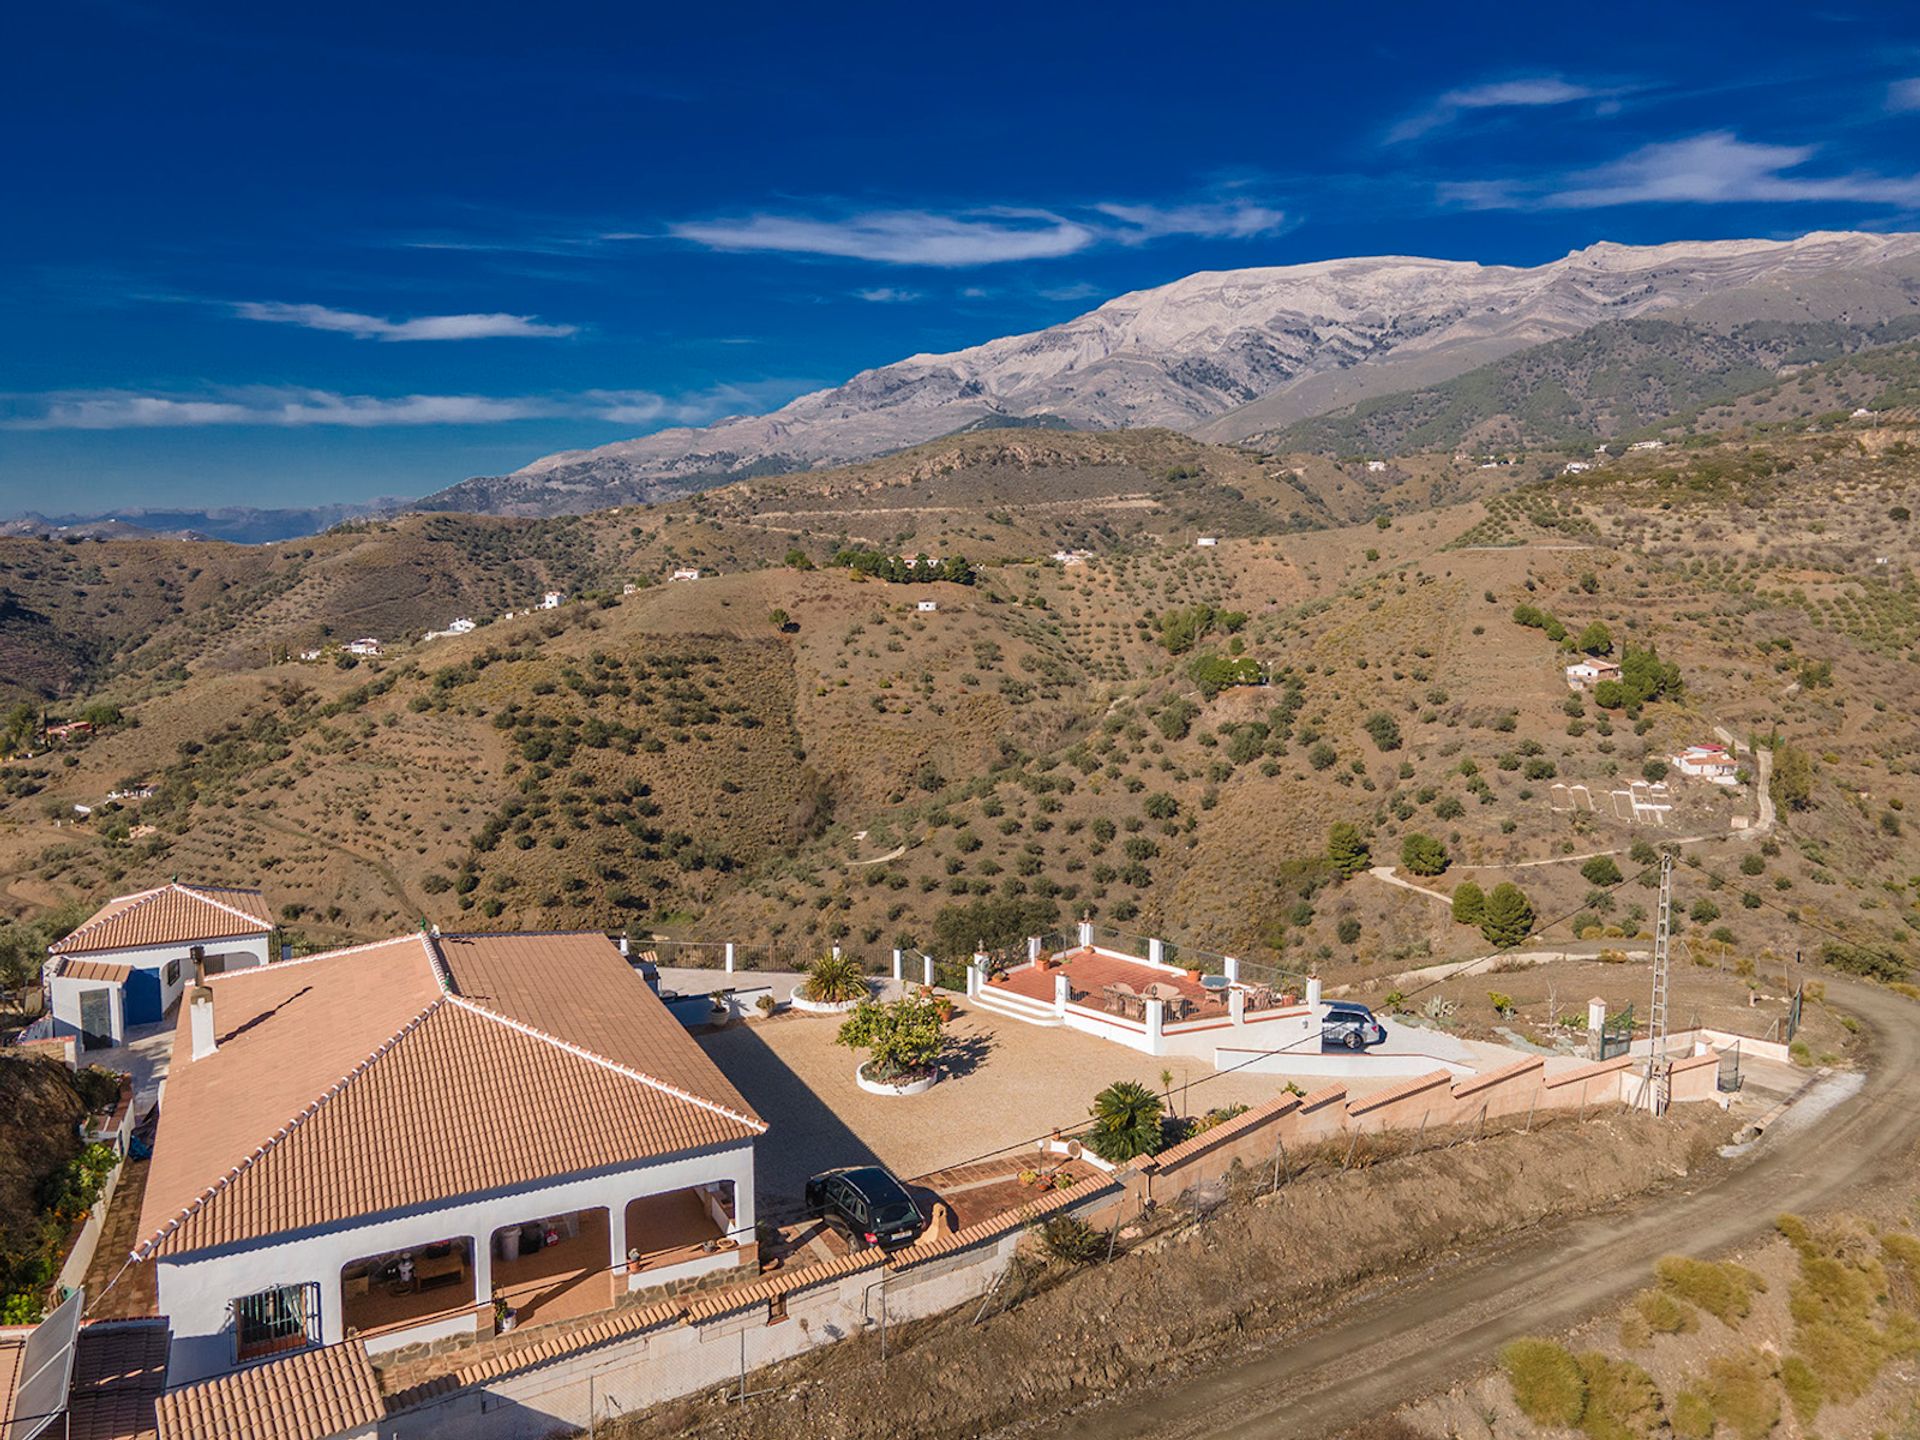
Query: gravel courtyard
x=1006, y=1083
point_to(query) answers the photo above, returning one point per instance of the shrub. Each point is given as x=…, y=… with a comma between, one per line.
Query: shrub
x=1623, y=1403
x=1348, y=930
x=1743, y=1395
x=1601, y=870
x=1547, y=1383
x=1654, y=772
x=1508, y=918
x=1469, y=903
x=905, y=1036
x=1723, y=1291
x=1071, y=1240
x=1802, y=1387
x=1384, y=729
x=1347, y=849
x=1692, y=1416
x=1322, y=755
x=1665, y=1314
x=834, y=980
x=1424, y=855
x=1127, y=1120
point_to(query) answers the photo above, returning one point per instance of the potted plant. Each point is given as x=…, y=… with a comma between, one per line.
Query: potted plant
x=834, y=980
x=904, y=1039
x=766, y=1004
x=505, y=1317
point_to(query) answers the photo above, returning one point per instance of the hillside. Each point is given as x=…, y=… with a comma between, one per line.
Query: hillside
x=1618, y=379
x=788, y=752
x=1225, y=355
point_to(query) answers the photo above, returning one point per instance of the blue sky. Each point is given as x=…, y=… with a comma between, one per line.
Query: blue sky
x=290, y=255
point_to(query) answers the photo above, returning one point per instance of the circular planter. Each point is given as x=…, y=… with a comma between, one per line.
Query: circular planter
x=908, y=1087
x=821, y=1007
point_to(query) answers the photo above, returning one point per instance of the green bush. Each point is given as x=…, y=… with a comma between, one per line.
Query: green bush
x=1548, y=1385
x=1423, y=855
x=1071, y=1240
x=1469, y=903
x=1127, y=1122
x=1623, y=1403
x=904, y=1036
x=1803, y=1388
x=1723, y=1291
x=1665, y=1314
x=1743, y=1394
x=834, y=980
x=1692, y=1416
x=1347, y=849
x=1601, y=870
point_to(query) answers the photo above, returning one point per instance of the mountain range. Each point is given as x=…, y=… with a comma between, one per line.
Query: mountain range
x=1227, y=356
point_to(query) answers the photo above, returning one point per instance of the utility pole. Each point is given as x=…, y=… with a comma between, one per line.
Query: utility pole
x=1659, y=1067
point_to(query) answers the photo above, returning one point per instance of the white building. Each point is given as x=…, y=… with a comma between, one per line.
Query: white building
x=1584, y=674
x=552, y=600
x=313, y=654
x=1648, y=445
x=128, y=964
x=366, y=645
x=926, y=606
x=691, y=572
x=1376, y=467
x=1708, y=762
x=1072, y=557
x=1207, y=542
x=1576, y=467
x=397, y=1141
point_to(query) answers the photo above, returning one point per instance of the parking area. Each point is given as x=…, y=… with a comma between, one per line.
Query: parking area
x=1006, y=1085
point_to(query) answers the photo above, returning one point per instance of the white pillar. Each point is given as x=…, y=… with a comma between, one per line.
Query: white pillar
x=729, y=957
x=836, y=952
x=897, y=960
x=1156, y=1020
x=1230, y=967
x=1033, y=948
x=1086, y=934
x=926, y=966
x=1237, y=1006
x=483, y=1268
x=623, y=945
x=1313, y=992
x=973, y=976
x=1157, y=951
x=1062, y=992
x=1596, y=1026
x=617, y=1244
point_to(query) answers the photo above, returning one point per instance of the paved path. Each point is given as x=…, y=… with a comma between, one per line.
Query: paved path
x=1427, y=1331
x=1385, y=874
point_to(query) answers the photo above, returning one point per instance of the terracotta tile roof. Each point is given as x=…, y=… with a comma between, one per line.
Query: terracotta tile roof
x=407, y=1094
x=1589, y=1072
x=170, y=914
x=579, y=987
x=989, y=1229
x=119, y=1370
x=1226, y=1130
x=1474, y=1084
x=109, y=972
x=307, y=1396
x=712, y=1304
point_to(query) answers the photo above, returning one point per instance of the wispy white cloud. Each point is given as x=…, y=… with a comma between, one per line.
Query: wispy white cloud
x=1904, y=94
x=1079, y=290
x=1524, y=93
x=979, y=237
x=421, y=327
x=887, y=295
x=1716, y=168
x=296, y=408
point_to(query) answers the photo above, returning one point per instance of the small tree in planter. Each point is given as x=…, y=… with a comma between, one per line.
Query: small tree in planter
x=835, y=980
x=1127, y=1122
x=905, y=1038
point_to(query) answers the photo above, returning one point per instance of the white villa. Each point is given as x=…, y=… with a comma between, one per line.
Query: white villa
x=926, y=606
x=1648, y=445
x=552, y=600
x=1590, y=671
x=1207, y=542
x=1708, y=762
x=1576, y=467
x=1072, y=557
x=128, y=964
x=463, y=626
x=691, y=572
x=1376, y=467
x=366, y=645
x=399, y=1141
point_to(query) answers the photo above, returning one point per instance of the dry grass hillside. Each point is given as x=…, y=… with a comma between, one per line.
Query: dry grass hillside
x=1049, y=742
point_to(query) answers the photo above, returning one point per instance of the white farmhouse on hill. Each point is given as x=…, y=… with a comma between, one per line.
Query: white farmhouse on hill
x=1207, y=542
x=1708, y=762
x=399, y=1141
x=1583, y=674
x=1376, y=467
x=366, y=646
x=1648, y=445
x=690, y=572
x=552, y=600
x=1576, y=467
x=128, y=963
x=926, y=606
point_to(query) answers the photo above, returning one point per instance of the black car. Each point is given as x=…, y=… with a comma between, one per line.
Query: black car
x=1350, y=1027
x=867, y=1203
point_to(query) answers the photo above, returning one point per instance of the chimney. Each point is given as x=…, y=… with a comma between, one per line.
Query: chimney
x=200, y=1020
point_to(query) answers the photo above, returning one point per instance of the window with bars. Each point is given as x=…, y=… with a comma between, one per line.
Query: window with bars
x=276, y=1321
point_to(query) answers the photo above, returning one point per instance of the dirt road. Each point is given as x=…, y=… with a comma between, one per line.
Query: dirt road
x=1432, y=1329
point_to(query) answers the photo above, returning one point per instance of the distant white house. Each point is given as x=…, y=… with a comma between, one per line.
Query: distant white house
x=1648, y=445
x=1207, y=542
x=925, y=606
x=629, y=588
x=1708, y=762
x=691, y=572
x=132, y=792
x=454, y=627
x=366, y=645
x=1585, y=673
x=1376, y=467
x=1863, y=413
x=313, y=654
x=1072, y=557
x=552, y=600
x=1575, y=467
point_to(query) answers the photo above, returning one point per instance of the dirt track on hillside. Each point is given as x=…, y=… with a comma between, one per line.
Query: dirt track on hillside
x=1440, y=1326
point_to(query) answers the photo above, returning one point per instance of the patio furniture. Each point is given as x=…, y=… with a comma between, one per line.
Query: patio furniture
x=1259, y=997
x=1214, y=982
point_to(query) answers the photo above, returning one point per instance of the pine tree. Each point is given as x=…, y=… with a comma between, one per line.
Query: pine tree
x=1508, y=918
x=1347, y=849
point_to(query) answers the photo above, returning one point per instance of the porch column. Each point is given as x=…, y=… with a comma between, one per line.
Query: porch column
x=1086, y=934
x=1033, y=948
x=729, y=957
x=1157, y=951
x=1237, y=1006
x=617, y=1244
x=1156, y=1021
x=483, y=1274
x=898, y=960
x=927, y=966
x=975, y=971
x=1062, y=993
x=1230, y=967
x=1313, y=992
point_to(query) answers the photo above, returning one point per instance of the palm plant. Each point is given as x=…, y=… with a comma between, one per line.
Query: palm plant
x=1127, y=1120
x=835, y=980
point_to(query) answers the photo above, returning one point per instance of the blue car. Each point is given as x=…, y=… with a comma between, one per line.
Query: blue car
x=1347, y=1026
